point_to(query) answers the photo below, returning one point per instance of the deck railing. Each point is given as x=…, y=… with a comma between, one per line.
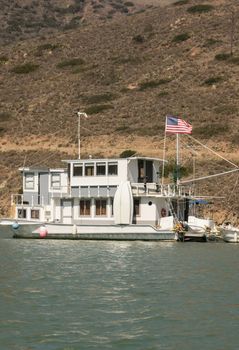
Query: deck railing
x=148, y=189
x=138, y=189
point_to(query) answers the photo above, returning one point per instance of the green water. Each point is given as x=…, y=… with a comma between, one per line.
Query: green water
x=57, y=295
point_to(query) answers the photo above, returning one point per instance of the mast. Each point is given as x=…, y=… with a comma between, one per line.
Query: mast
x=78, y=130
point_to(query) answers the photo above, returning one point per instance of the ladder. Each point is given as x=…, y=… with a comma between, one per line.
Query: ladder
x=171, y=208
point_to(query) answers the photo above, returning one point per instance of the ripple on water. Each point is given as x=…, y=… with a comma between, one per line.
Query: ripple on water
x=118, y=295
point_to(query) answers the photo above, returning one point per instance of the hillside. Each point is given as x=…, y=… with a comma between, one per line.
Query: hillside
x=127, y=73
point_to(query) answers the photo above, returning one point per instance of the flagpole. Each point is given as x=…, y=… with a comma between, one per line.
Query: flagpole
x=164, y=152
x=177, y=159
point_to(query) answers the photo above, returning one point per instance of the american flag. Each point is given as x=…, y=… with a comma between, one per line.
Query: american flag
x=177, y=125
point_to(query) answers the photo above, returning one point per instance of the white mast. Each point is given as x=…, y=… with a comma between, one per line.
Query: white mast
x=78, y=130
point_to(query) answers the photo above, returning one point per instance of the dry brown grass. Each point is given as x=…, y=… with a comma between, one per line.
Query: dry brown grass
x=41, y=106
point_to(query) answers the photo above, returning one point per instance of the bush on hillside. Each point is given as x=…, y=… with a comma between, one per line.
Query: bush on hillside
x=101, y=98
x=3, y=59
x=25, y=68
x=181, y=37
x=138, y=39
x=222, y=56
x=97, y=109
x=152, y=84
x=212, y=80
x=4, y=116
x=47, y=46
x=210, y=42
x=200, y=8
x=129, y=4
x=181, y=2
x=127, y=153
x=70, y=63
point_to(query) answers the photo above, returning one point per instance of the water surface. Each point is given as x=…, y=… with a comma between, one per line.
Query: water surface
x=70, y=295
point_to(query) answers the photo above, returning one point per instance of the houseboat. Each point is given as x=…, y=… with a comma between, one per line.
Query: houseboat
x=115, y=199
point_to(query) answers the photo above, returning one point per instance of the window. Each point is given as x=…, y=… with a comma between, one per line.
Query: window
x=100, y=205
x=112, y=168
x=100, y=169
x=55, y=180
x=89, y=169
x=77, y=170
x=29, y=181
x=136, y=207
x=35, y=214
x=22, y=213
x=85, y=207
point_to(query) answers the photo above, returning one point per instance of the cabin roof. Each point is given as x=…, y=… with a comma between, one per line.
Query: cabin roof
x=110, y=159
x=41, y=169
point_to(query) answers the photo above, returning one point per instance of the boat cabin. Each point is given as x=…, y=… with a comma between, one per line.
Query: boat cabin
x=94, y=191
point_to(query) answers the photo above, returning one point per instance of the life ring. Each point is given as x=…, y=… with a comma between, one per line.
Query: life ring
x=163, y=212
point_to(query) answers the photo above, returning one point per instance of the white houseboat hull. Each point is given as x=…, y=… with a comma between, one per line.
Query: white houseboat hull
x=97, y=232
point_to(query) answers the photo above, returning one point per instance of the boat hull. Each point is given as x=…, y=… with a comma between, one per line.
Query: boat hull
x=230, y=236
x=7, y=227
x=98, y=232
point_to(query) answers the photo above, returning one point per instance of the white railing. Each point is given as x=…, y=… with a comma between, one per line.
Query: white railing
x=33, y=201
x=160, y=190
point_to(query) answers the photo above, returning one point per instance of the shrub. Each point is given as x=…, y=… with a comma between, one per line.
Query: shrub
x=3, y=59
x=152, y=84
x=127, y=153
x=234, y=60
x=97, y=109
x=170, y=170
x=163, y=93
x=25, y=68
x=99, y=98
x=181, y=37
x=70, y=63
x=138, y=39
x=212, y=80
x=181, y=2
x=222, y=56
x=4, y=116
x=210, y=42
x=128, y=4
x=200, y=8
x=47, y=46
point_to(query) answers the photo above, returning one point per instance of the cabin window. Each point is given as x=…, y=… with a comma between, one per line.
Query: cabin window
x=77, y=170
x=35, y=214
x=55, y=180
x=29, y=181
x=22, y=213
x=85, y=207
x=141, y=170
x=89, y=169
x=100, y=205
x=136, y=207
x=112, y=168
x=100, y=169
